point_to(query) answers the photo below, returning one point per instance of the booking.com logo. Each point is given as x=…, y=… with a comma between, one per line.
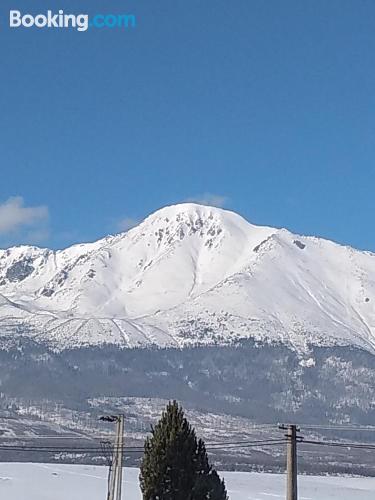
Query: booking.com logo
x=80, y=22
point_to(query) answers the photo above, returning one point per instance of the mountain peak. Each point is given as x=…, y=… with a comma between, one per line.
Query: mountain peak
x=175, y=222
x=189, y=212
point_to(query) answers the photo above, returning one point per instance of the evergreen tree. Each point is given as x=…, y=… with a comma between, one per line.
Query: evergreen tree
x=168, y=467
x=175, y=464
x=208, y=485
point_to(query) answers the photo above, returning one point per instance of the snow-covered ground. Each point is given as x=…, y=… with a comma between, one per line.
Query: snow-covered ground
x=78, y=482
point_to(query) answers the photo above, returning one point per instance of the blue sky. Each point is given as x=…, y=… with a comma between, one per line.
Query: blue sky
x=264, y=107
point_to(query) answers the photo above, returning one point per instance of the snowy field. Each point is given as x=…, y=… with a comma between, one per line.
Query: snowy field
x=78, y=482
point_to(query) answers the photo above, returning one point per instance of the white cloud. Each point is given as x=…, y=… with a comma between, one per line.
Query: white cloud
x=214, y=200
x=127, y=223
x=14, y=215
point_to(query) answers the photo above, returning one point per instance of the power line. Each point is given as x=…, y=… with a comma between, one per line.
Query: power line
x=52, y=438
x=63, y=450
x=355, y=428
x=49, y=449
x=214, y=446
x=340, y=444
x=135, y=449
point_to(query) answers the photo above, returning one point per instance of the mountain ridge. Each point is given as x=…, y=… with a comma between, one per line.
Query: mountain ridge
x=191, y=274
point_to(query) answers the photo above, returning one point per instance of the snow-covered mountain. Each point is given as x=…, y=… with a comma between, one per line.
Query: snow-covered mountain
x=191, y=274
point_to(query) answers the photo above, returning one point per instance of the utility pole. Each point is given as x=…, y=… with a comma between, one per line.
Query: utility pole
x=291, y=462
x=120, y=448
x=115, y=470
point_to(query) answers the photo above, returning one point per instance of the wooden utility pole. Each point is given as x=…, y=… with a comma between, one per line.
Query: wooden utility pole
x=120, y=449
x=291, y=463
x=115, y=471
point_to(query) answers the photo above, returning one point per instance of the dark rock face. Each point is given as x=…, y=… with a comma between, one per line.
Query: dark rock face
x=299, y=244
x=19, y=270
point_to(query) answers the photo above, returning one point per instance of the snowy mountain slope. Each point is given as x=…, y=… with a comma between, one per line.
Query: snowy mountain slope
x=296, y=291
x=188, y=274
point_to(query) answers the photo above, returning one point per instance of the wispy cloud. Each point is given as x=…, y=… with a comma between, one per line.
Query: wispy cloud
x=214, y=200
x=15, y=216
